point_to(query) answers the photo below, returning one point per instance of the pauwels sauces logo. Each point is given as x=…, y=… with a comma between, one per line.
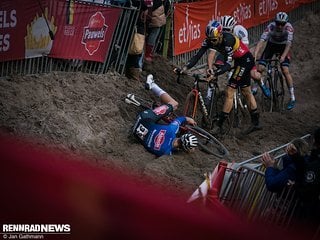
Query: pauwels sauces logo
x=94, y=33
x=159, y=139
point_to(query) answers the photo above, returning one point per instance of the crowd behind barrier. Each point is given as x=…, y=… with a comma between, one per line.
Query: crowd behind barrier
x=116, y=55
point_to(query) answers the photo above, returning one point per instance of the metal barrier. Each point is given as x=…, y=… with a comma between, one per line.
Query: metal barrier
x=244, y=191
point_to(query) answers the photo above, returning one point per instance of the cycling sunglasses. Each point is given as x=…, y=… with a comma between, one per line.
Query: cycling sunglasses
x=280, y=23
x=213, y=40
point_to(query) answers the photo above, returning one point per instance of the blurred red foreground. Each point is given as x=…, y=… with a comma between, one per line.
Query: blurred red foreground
x=40, y=187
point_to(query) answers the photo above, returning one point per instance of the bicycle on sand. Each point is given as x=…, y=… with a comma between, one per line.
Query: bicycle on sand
x=205, y=110
x=275, y=82
x=207, y=143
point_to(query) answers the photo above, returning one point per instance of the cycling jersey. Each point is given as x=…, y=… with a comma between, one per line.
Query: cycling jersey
x=276, y=42
x=231, y=48
x=157, y=138
x=242, y=33
x=278, y=36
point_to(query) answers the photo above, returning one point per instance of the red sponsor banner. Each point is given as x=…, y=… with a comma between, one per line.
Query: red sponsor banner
x=189, y=24
x=242, y=11
x=266, y=10
x=85, y=32
x=14, y=18
x=190, y=20
x=80, y=31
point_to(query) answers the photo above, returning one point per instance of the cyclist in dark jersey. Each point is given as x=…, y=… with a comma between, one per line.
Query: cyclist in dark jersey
x=161, y=139
x=231, y=49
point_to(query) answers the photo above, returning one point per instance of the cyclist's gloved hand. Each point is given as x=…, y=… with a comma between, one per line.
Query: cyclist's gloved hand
x=178, y=70
x=210, y=71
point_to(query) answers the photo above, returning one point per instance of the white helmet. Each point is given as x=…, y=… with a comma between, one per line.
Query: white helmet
x=228, y=22
x=281, y=17
x=188, y=141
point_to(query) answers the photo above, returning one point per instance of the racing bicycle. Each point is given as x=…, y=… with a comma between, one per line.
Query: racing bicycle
x=203, y=110
x=207, y=143
x=240, y=111
x=275, y=82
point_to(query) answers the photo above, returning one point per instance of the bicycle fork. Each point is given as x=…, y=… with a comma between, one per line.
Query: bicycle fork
x=237, y=105
x=198, y=96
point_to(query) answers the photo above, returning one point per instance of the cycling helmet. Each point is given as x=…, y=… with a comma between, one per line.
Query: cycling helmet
x=213, y=29
x=281, y=17
x=228, y=22
x=188, y=141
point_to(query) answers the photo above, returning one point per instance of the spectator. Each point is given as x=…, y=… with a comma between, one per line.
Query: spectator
x=161, y=139
x=156, y=19
x=279, y=37
x=309, y=190
x=293, y=166
x=134, y=62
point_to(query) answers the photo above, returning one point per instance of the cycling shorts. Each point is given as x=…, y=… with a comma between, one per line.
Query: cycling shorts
x=241, y=72
x=272, y=49
x=154, y=115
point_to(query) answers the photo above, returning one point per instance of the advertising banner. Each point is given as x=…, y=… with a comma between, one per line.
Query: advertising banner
x=189, y=24
x=190, y=19
x=79, y=31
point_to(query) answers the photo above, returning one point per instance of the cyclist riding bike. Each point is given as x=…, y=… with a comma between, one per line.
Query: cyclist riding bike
x=229, y=24
x=279, y=37
x=233, y=50
x=161, y=139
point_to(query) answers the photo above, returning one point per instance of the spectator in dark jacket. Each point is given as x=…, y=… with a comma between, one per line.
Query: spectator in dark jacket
x=293, y=166
x=309, y=189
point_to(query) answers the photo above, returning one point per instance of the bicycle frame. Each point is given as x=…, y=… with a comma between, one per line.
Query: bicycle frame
x=239, y=107
x=274, y=77
x=198, y=97
x=195, y=97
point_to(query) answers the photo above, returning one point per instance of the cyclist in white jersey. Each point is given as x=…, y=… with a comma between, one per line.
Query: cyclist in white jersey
x=279, y=37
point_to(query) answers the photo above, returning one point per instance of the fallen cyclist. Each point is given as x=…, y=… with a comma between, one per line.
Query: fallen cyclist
x=161, y=139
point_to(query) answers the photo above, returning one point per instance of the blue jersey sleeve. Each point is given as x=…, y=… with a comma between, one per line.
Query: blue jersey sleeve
x=179, y=120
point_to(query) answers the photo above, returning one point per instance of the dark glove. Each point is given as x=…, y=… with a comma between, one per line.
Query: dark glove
x=177, y=70
x=210, y=71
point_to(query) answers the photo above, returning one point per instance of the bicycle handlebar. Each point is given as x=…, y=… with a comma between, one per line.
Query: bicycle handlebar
x=201, y=78
x=269, y=60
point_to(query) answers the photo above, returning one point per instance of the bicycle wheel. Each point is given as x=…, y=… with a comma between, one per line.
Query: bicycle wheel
x=208, y=143
x=192, y=108
x=214, y=107
x=278, y=92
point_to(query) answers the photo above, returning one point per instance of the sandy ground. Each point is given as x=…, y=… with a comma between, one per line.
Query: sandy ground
x=86, y=114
